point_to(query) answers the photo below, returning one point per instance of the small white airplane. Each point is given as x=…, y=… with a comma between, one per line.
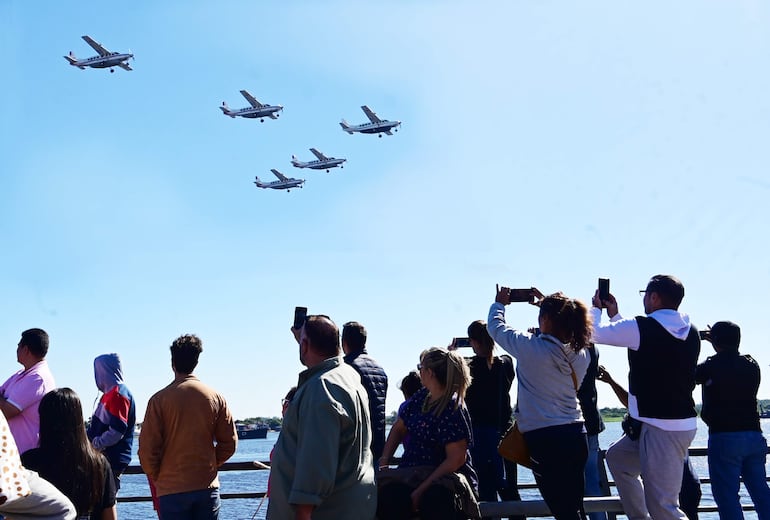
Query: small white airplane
x=256, y=111
x=105, y=59
x=375, y=126
x=283, y=182
x=323, y=162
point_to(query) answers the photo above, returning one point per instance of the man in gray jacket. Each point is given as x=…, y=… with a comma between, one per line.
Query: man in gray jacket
x=322, y=465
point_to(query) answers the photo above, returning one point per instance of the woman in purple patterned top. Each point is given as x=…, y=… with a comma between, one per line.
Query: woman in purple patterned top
x=435, y=427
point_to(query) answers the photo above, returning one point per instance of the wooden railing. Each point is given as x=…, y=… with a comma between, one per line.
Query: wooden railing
x=533, y=508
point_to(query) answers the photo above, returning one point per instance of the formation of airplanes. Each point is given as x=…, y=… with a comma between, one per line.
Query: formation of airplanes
x=256, y=111
x=107, y=59
x=321, y=163
x=374, y=126
x=282, y=183
x=103, y=60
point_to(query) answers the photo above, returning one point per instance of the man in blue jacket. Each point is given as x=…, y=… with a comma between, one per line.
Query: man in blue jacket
x=373, y=378
x=112, y=426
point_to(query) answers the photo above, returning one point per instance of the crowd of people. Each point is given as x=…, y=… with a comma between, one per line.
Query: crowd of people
x=332, y=459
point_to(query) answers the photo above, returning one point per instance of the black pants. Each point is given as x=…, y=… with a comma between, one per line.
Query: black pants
x=559, y=456
x=394, y=502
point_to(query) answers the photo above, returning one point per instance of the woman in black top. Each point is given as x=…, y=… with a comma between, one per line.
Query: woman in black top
x=489, y=402
x=66, y=458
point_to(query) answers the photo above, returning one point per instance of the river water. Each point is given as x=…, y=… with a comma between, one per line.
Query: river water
x=259, y=449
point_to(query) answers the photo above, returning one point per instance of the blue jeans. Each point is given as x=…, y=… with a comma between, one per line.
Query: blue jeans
x=593, y=486
x=487, y=462
x=733, y=455
x=192, y=505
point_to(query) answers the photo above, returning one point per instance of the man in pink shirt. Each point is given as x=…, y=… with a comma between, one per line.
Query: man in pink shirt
x=21, y=394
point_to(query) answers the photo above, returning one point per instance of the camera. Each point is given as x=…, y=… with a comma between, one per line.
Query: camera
x=705, y=335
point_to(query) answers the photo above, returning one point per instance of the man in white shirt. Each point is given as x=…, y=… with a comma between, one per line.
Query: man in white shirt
x=663, y=349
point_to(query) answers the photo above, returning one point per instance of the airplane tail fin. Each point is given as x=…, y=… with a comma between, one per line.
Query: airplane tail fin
x=258, y=182
x=295, y=162
x=225, y=109
x=71, y=58
x=345, y=126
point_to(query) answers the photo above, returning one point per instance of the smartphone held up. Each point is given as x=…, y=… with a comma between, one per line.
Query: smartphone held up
x=300, y=315
x=604, y=291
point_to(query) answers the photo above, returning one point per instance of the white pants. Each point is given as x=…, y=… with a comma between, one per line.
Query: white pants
x=658, y=458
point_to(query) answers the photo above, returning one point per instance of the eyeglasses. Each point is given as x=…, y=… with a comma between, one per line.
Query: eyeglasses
x=419, y=366
x=642, y=292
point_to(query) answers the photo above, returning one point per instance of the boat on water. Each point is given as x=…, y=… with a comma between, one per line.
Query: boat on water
x=251, y=431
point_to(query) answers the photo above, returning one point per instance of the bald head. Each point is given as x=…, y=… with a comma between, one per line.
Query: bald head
x=322, y=335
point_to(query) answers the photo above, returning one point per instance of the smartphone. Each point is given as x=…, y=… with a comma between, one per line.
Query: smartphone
x=604, y=289
x=462, y=342
x=300, y=315
x=522, y=295
x=705, y=335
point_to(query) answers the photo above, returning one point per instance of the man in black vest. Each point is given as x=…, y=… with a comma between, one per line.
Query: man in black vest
x=737, y=447
x=373, y=378
x=663, y=349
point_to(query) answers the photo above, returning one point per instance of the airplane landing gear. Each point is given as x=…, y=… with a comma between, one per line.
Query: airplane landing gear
x=112, y=70
x=261, y=120
x=379, y=135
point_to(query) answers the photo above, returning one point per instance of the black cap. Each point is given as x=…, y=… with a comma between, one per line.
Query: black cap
x=726, y=334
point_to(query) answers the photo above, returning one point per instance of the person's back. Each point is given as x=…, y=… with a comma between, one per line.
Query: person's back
x=373, y=378
x=322, y=465
x=111, y=429
x=736, y=446
x=67, y=460
x=186, y=435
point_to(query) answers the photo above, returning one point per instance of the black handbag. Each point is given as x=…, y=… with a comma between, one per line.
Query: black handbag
x=631, y=427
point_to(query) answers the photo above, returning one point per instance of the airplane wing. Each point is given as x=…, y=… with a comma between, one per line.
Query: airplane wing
x=388, y=132
x=321, y=157
x=251, y=99
x=281, y=177
x=124, y=66
x=96, y=46
x=371, y=115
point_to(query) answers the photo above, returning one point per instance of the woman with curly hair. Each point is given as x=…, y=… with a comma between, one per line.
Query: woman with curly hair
x=550, y=366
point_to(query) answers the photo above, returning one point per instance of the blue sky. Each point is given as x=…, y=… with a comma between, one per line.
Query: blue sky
x=543, y=143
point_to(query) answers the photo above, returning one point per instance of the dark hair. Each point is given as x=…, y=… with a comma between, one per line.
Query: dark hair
x=477, y=331
x=354, y=334
x=669, y=289
x=569, y=320
x=79, y=469
x=451, y=371
x=410, y=384
x=726, y=335
x=323, y=335
x=36, y=340
x=184, y=353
